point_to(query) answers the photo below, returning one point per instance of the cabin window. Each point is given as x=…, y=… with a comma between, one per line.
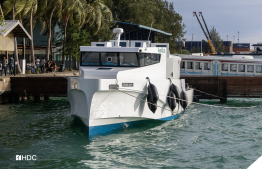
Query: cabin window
x=190, y=65
x=182, y=65
x=148, y=59
x=109, y=59
x=121, y=59
x=250, y=68
x=122, y=44
x=198, y=65
x=233, y=67
x=163, y=46
x=241, y=68
x=258, y=69
x=207, y=65
x=137, y=44
x=90, y=59
x=128, y=59
x=224, y=67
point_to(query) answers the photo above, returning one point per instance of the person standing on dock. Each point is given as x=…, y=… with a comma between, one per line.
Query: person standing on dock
x=42, y=65
x=37, y=63
x=4, y=66
x=11, y=65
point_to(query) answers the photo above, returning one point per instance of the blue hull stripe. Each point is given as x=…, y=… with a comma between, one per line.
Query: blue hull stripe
x=98, y=130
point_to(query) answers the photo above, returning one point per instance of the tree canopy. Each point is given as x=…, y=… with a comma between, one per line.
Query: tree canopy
x=217, y=41
x=94, y=18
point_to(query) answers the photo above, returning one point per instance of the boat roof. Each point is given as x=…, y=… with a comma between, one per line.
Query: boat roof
x=132, y=27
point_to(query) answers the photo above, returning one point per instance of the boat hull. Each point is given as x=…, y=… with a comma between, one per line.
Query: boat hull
x=118, y=122
x=114, y=109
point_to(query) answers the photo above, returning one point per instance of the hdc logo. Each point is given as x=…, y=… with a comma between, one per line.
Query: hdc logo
x=25, y=157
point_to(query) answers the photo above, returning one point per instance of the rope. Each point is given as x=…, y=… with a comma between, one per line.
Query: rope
x=209, y=94
x=195, y=102
x=162, y=107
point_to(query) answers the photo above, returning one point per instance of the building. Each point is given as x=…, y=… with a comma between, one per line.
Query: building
x=9, y=32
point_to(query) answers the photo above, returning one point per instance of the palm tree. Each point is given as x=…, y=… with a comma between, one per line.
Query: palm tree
x=30, y=10
x=100, y=15
x=1, y=11
x=46, y=16
x=95, y=12
x=75, y=11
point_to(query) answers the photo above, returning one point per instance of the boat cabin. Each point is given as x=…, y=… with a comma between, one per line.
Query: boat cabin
x=122, y=54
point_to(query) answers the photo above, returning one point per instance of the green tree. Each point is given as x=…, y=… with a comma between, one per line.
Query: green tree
x=94, y=14
x=99, y=16
x=32, y=7
x=76, y=38
x=75, y=11
x=46, y=17
x=184, y=51
x=217, y=41
x=99, y=21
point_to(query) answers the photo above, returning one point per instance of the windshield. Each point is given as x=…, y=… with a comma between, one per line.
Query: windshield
x=120, y=59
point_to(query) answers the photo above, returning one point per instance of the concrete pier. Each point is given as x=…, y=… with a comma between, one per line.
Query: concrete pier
x=43, y=86
x=34, y=86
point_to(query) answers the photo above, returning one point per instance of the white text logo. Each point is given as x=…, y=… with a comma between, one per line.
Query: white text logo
x=25, y=157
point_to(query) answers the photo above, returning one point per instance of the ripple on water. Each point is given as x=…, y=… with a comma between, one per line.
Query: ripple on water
x=202, y=137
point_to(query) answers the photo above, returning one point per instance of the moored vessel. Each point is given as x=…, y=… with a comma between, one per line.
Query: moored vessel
x=125, y=82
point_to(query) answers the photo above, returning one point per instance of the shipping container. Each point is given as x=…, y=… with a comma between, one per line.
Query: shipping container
x=195, y=46
x=241, y=47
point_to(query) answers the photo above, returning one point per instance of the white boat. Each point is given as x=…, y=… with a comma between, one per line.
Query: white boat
x=240, y=65
x=124, y=82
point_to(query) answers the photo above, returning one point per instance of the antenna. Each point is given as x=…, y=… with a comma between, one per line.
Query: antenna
x=150, y=31
x=238, y=36
x=118, y=32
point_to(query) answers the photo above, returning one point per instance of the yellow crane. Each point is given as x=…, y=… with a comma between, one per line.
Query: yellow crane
x=207, y=34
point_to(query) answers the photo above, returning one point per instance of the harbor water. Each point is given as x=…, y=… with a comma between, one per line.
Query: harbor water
x=46, y=136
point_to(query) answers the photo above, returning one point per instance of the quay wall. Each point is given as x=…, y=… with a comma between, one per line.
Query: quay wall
x=225, y=86
x=206, y=87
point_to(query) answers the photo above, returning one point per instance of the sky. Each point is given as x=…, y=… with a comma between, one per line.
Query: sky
x=227, y=16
